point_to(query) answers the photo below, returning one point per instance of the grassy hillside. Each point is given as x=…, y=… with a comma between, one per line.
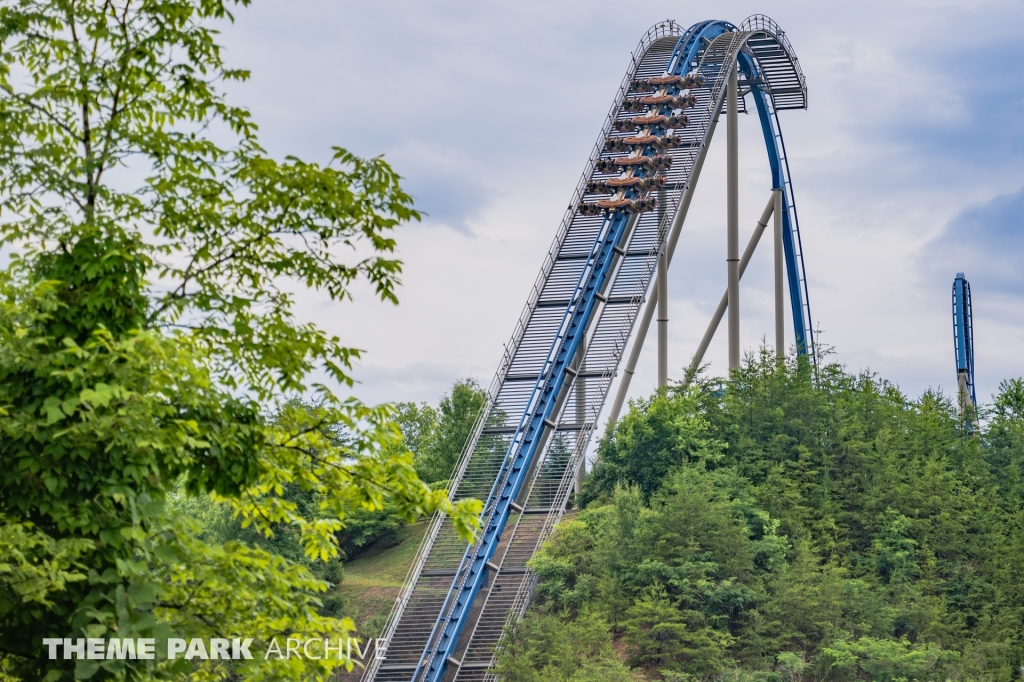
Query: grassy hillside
x=372, y=580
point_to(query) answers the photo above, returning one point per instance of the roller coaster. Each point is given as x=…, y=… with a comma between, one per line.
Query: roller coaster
x=963, y=348
x=617, y=237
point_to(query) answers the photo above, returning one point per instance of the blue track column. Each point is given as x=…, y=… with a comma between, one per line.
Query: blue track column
x=963, y=346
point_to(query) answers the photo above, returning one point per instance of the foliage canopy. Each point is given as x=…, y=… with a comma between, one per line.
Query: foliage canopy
x=147, y=332
x=782, y=529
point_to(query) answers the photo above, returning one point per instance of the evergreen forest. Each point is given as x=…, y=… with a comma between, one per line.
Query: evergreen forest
x=788, y=525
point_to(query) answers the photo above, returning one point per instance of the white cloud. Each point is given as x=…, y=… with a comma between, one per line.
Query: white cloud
x=490, y=109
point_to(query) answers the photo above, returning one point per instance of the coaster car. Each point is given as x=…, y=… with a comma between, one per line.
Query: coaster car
x=635, y=140
x=616, y=184
x=650, y=182
x=614, y=204
x=659, y=162
x=657, y=99
x=643, y=205
x=629, y=161
x=634, y=104
x=632, y=182
x=665, y=80
x=684, y=101
x=649, y=120
x=609, y=205
x=616, y=144
x=659, y=142
x=650, y=162
x=639, y=184
x=678, y=121
x=694, y=79
x=670, y=142
x=619, y=144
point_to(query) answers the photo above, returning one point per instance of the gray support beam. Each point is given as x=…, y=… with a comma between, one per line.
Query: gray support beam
x=716, y=319
x=652, y=302
x=662, y=291
x=733, y=218
x=780, y=265
x=662, y=321
x=963, y=393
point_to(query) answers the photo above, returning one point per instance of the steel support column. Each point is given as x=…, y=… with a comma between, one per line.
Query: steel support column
x=780, y=268
x=663, y=320
x=733, y=217
x=662, y=288
x=723, y=305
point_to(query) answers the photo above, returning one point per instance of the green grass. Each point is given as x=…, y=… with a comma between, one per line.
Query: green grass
x=373, y=580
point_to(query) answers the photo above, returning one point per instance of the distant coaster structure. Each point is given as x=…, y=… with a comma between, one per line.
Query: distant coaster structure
x=963, y=349
x=608, y=262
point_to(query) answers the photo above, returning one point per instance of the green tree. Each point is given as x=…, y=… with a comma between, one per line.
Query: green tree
x=440, y=447
x=145, y=322
x=1005, y=439
x=436, y=437
x=547, y=649
x=888, y=660
x=654, y=437
x=659, y=637
x=417, y=424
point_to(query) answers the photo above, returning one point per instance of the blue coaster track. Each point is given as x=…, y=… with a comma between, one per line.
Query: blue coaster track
x=963, y=340
x=554, y=378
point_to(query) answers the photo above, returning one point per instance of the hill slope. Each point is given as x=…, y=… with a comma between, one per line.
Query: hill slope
x=373, y=579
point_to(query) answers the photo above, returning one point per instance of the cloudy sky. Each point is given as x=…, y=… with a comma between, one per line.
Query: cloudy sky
x=908, y=166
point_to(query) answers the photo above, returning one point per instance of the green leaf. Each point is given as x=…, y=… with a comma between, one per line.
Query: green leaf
x=85, y=669
x=52, y=409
